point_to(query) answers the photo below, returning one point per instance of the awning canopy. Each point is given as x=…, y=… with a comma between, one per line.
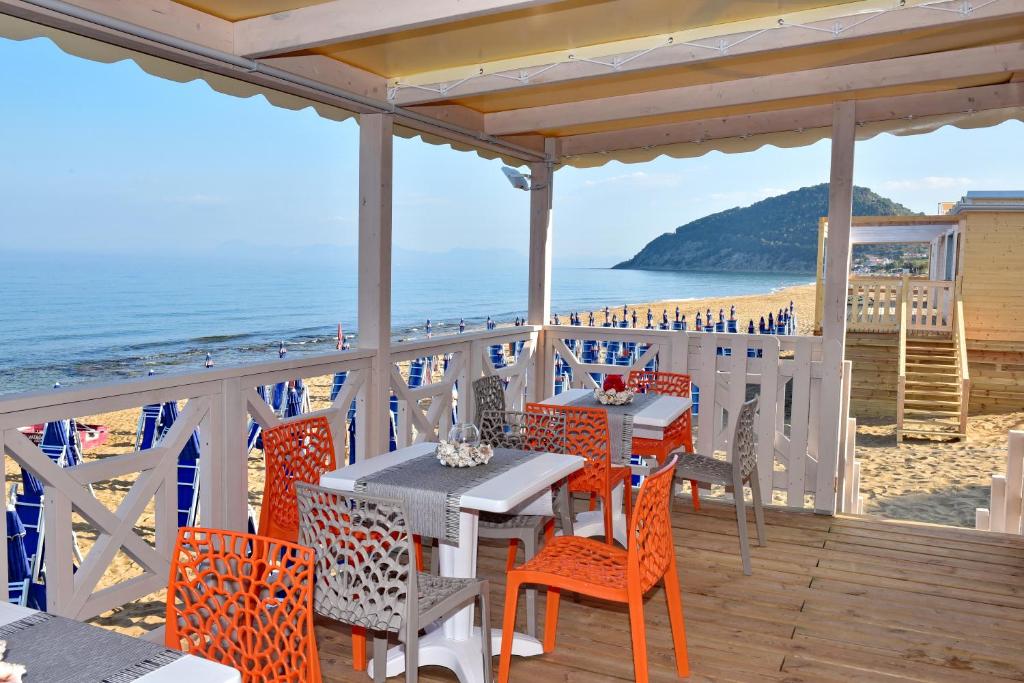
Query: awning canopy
x=582, y=81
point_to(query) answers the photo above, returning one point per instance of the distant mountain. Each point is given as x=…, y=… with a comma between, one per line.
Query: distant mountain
x=778, y=234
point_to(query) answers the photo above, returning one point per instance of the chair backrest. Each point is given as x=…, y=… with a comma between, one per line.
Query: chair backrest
x=651, y=548
x=245, y=601
x=587, y=435
x=540, y=432
x=744, y=441
x=365, y=574
x=656, y=382
x=300, y=450
x=488, y=394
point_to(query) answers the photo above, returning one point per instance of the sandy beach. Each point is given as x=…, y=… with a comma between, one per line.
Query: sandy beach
x=924, y=481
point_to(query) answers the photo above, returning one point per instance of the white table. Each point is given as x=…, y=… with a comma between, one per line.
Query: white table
x=648, y=423
x=188, y=668
x=455, y=644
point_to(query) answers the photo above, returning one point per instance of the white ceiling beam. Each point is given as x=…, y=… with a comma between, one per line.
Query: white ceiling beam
x=345, y=20
x=844, y=81
x=801, y=118
x=708, y=49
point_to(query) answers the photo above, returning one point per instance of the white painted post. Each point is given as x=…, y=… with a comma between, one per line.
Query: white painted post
x=837, y=271
x=223, y=463
x=375, y=165
x=3, y=523
x=1014, y=482
x=981, y=519
x=997, y=503
x=539, y=295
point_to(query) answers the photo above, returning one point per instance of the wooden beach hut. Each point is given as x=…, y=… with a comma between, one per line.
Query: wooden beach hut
x=541, y=85
x=930, y=349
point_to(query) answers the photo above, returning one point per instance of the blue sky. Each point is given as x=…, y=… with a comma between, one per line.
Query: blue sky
x=105, y=157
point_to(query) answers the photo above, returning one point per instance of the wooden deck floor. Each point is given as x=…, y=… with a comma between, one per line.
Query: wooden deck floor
x=831, y=599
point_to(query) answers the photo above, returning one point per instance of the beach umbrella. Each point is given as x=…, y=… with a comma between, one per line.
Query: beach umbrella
x=18, y=566
x=293, y=406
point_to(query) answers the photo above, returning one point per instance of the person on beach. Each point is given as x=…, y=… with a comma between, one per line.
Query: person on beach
x=281, y=350
x=605, y=315
x=590, y=319
x=634, y=318
x=462, y=325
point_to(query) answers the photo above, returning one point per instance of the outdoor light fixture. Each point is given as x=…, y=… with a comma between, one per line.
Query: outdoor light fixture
x=520, y=181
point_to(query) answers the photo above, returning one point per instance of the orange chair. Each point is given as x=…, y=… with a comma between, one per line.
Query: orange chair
x=586, y=434
x=302, y=450
x=245, y=601
x=679, y=434
x=607, y=572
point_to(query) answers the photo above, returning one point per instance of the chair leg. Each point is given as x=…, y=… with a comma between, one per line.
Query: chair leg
x=417, y=542
x=435, y=558
x=755, y=490
x=510, y=558
x=638, y=630
x=412, y=651
x=606, y=507
x=380, y=658
x=551, y=617
x=741, y=526
x=359, y=648
x=508, y=627
x=675, y=616
x=565, y=505
x=695, y=494
x=529, y=550
x=627, y=491
x=485, y=631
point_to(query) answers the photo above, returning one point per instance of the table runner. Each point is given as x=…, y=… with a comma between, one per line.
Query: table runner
x=431, y=491
x=59, y=650
x=620, y=422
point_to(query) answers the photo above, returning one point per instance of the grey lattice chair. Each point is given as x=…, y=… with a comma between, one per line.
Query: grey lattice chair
x=741, y=470
x=542, y=433
x=366, y=577
x=489, y=397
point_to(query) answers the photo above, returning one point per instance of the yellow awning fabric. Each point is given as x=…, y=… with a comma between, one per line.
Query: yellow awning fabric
x=87, y=48
x=98, y=51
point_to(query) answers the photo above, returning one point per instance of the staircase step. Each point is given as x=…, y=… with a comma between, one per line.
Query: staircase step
x=951, y=403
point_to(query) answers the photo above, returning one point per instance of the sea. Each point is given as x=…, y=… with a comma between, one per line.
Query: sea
x=77, y=319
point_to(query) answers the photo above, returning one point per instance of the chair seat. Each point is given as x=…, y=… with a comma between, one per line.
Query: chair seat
x=704, y=469
x=434, y=590
x=493, y=520
x=579, y=561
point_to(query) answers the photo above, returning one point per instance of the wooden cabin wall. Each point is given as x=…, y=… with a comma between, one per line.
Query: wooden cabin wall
x=875, y=371
x=993, y=296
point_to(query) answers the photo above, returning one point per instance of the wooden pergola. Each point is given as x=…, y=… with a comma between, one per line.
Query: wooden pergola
x=544, y=84
x=576, y=82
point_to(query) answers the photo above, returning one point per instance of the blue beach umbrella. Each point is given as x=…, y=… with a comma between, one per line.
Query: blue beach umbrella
x=18, y=567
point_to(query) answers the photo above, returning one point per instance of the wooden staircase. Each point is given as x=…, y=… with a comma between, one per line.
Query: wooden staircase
x=931, y=403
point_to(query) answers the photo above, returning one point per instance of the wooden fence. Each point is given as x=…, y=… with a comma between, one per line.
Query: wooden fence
x=786, y=371
x=873, y=304
x=1005, y=512
x=220, y=402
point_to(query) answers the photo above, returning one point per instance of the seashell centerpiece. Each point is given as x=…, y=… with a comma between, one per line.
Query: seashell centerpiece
x=463, y=454
x=9, y=672
x=613, y=397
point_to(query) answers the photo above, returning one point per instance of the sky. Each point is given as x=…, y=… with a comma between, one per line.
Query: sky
x=104, y=157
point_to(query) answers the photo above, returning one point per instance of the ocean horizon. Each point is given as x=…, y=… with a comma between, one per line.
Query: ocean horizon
x=81, y=318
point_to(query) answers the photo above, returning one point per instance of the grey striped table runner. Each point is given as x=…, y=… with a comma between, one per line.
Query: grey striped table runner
x=59, y=650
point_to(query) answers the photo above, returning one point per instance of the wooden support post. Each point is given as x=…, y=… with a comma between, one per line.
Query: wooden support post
x=1014, y=483
x=224, y=465
x=539, y=296
x=833, y=323
x=375, y=159
x=819, y=289
x=997, y=504
x=3, y=523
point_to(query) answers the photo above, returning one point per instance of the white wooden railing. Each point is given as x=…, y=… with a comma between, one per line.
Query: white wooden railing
x=220, y=402
x=788, y=375
x=1005, y=512
x=424, y=413
x=873, y=304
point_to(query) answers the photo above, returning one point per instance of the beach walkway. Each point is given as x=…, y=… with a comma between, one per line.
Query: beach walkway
x=831, y=599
